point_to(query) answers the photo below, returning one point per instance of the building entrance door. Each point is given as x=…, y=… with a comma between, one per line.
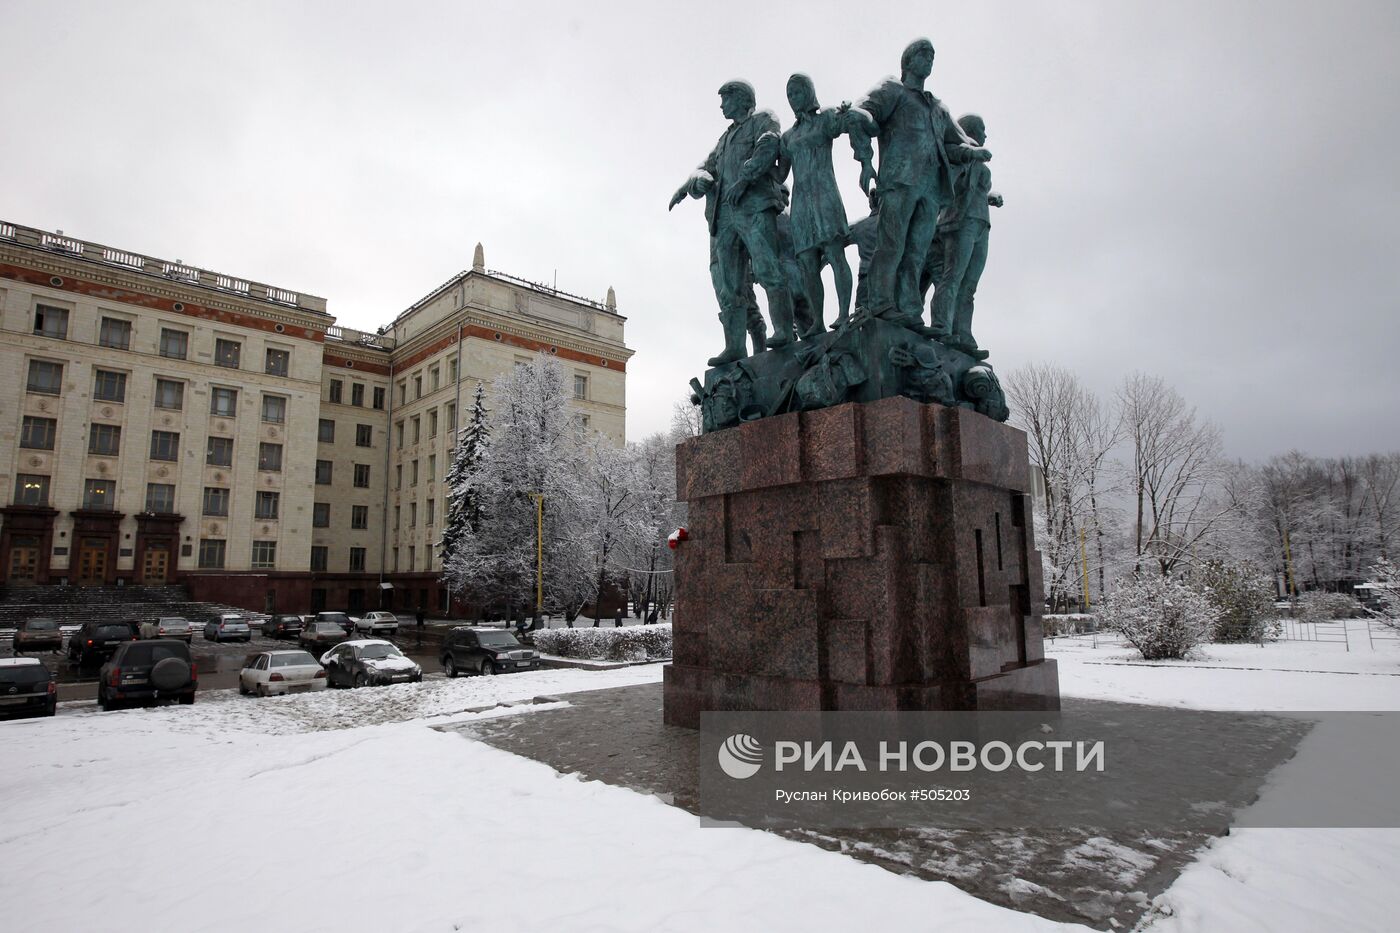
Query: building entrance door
x=24, y=559
x=155, y=566
x=92, y=561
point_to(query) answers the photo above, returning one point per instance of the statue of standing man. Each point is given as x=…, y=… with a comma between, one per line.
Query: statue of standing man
x=743, y=195
x=919, y=144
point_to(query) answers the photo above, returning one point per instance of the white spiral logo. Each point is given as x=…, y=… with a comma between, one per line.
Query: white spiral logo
x=740, y=756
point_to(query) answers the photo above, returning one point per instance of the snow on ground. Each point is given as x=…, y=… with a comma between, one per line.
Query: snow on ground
x=214, y=818
x=1270, y=880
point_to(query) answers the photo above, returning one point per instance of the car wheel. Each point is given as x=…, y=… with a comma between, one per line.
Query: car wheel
x=361, y=680
x=242, y=688
x=487, y=667
x=262, y=691
x=187, y=699
x=449, y=667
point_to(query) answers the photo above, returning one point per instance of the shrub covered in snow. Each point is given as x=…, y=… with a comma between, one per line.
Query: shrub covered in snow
x=1387, y=609
x=630, y=643
x=1243, y=598
x=1319, y=606
x=1160, y=616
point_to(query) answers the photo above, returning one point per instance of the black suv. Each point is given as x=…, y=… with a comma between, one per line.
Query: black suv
x=96, y=641
x=27, y=688
x=38, y=635
x=283, y=626
x=485, y=651
x=148, y=670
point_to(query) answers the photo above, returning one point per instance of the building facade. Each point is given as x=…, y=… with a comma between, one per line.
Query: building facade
x=161, y=423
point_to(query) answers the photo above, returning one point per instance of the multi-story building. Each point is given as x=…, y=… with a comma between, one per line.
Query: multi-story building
x=164, y=423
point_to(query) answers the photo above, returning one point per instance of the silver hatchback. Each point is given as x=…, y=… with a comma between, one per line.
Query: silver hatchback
x=168, y=627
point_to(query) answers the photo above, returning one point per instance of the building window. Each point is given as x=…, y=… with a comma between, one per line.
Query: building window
x=379, y=397
x=433, y=375
x=215, y=501
x=323, y=472
x=432, y=468
x=357, y=394
x=357, y=560
x=31, y=489
x=99, y=495
x=270, y=457
x=398, y=435
x=38, y=433
x=325, y=431
x=219, y=452
x=336, y=386
x=397, y=511
x=274, y=409
x=264, y=555
x=45, y=378
x=51, y=322
x=398, y=476
x=432, y=512
x=227, y=353
x=412, y=556
x=413, y=474
x=108, y=386
x=396, y=559
x=417, y=387
x=403, y=393
x=452, y=417
x=160, y=498
x=170, y=394
x=278, y=362
x=165, y=445
x=359, y=516
x=265, y=507
x=114, y=333
x=452, y=370
x=104, y=440
x=321, y=515
x=413, y=515
x=318, y=558
x=364, y=435
x=174, y=344
x=223, y=402
x=417, y=429
x=211, y=553
x=581, y=387
x=362, y=475
x=432, y=423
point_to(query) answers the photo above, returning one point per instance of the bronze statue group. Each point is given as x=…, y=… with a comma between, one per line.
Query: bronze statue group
x=928, y=225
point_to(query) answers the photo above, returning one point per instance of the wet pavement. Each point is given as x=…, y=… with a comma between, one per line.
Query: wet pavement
x=1101, y=876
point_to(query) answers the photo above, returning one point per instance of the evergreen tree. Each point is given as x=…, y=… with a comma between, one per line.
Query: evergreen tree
x=464, y=500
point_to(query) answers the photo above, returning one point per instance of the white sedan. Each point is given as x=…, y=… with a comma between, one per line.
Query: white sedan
x=378, y=623
x=274, y=672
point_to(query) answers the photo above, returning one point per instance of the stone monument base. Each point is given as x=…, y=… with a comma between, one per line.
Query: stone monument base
x=870, y=556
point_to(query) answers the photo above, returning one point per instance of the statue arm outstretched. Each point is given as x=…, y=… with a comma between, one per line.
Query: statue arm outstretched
x=700, y=181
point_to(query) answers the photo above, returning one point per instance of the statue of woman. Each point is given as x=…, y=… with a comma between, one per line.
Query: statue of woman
x=819, y=231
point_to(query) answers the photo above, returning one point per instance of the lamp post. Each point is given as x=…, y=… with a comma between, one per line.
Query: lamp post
x=539, y=556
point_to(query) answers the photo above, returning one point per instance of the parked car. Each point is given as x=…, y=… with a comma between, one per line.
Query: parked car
x=369, y=662
x=38, y=634
x=27, y=688
x=485, y=651
x=275, y=672
x=339, y=618
x=378, y=623
x=228, y=628
x=158, y=669
x=168, y=627
x=316, y=637
x=282, y=626
x=98, y=641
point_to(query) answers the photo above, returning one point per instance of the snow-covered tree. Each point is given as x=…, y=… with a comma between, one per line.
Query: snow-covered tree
x=1387, y=578
x=615, y=513
x=464, y=500
x=536, y=448
x=1161, y=616
x=651, y=562
x=1242, y=596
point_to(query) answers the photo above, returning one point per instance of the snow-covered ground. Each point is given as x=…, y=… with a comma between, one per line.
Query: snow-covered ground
x=342, y=811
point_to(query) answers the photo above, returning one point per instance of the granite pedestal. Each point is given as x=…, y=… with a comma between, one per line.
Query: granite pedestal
x=870, y=556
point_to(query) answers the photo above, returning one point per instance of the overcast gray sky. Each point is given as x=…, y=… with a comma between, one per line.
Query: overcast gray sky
x=1205, y=191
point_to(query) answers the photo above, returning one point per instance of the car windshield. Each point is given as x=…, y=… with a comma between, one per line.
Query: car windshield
x=40, y=625
x=294, y=659
x=24, y=674
x=174, y=620
x=498, y=639
x=375, y=652
x=339, y=618
x=113, y=631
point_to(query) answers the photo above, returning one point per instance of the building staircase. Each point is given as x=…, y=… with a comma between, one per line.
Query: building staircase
x=74, y=605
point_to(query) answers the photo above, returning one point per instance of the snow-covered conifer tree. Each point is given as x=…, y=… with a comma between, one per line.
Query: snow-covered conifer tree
x=464, y=502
